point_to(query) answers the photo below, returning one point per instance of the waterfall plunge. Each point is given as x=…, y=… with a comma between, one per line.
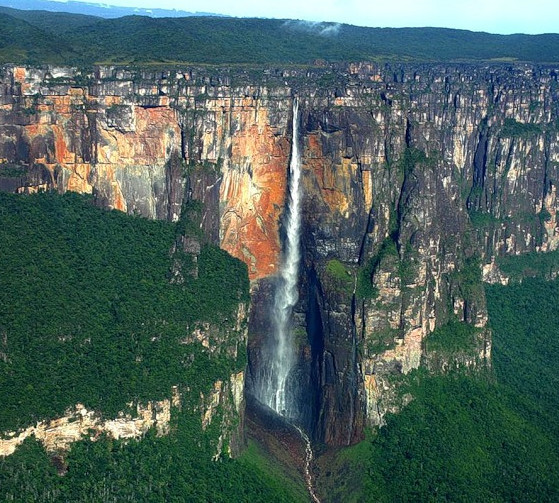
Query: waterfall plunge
x=275, y=388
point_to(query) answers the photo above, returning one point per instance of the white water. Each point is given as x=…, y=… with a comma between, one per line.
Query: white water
x=275, y=388
x=308, y=463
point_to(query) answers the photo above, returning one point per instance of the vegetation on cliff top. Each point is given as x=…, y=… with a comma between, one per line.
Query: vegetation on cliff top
x=33, y=37
x=20, y=42
x=87, y=313
x=466, y=436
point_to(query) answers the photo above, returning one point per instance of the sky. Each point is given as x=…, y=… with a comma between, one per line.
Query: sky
x=494, y=16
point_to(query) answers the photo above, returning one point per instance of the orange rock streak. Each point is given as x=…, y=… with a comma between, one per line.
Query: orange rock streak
x=254, y=157
x=253, y=192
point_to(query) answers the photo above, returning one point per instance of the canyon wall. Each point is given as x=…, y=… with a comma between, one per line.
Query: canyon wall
x=416, y=177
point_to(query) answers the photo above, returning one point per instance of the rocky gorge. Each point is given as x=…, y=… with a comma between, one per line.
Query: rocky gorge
x=416, y=180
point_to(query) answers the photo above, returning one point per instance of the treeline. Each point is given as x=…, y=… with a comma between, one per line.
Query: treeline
x=39, y=37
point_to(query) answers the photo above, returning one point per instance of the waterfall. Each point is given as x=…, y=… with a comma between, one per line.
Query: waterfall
x=276, y=387
x=275, y=390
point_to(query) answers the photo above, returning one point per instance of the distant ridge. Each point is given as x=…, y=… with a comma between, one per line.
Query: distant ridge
x=35, y=37
x=94, y=9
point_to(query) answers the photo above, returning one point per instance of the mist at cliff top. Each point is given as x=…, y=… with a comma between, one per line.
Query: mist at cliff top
x=497, y=16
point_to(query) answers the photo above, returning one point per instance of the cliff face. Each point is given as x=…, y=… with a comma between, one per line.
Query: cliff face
x=59, y=434
x=414, y=178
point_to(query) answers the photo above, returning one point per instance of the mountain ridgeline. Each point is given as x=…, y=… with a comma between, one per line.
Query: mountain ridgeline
x=41, y=37
x=107, y=11
x=418, y=183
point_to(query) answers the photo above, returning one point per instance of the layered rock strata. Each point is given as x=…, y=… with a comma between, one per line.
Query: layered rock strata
x=415, y=179
x=58, y=434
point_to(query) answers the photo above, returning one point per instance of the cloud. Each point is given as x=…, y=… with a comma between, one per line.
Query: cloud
x=318, y=28
x=331, y=29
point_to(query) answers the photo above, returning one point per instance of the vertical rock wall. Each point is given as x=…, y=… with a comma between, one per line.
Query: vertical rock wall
x=414, y=177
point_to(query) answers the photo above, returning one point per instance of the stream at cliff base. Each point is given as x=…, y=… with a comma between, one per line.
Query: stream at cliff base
x=308, y=465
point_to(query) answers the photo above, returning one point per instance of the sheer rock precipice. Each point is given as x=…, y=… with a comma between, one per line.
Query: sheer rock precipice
x=415, y=176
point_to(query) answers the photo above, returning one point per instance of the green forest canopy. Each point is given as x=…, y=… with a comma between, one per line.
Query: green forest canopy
x=88, y=314
x=39, y=37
